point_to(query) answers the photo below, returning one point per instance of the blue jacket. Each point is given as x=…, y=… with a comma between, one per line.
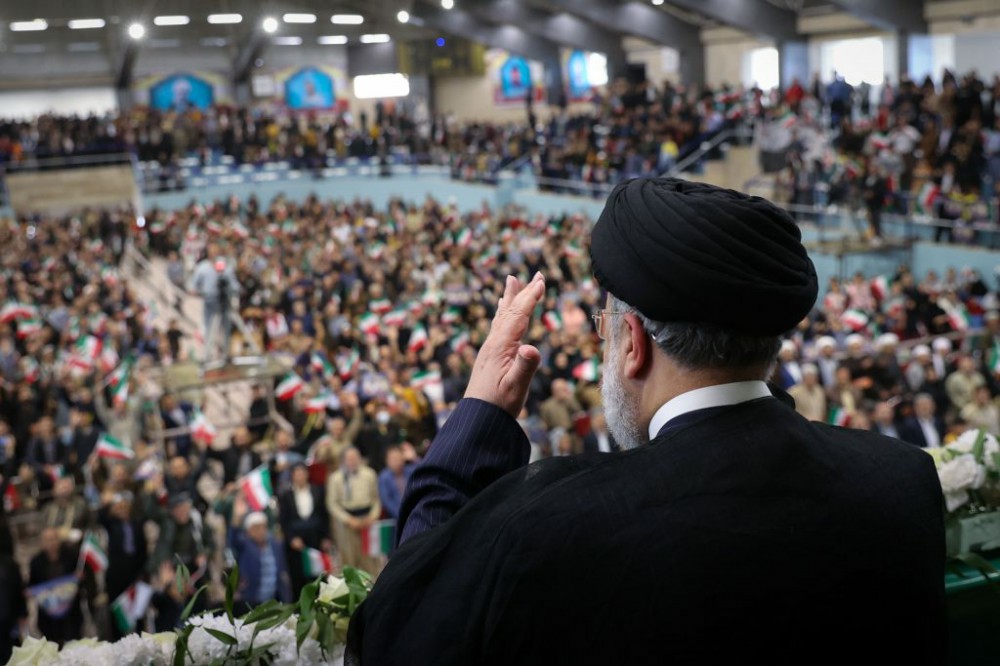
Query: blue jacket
x=389, y=492
x=248, y=558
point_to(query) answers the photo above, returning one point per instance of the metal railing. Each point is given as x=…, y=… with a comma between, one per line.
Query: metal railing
x=706, y=147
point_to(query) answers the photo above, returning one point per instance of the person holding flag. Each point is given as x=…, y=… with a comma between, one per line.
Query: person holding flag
x=60, y=586
x=306, y=526
x=127, y=552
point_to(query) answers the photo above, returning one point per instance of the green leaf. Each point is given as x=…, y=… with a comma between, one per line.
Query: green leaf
x=308, y=598
x=182, y=575
x=325, y=634
x=996, y=460
x=302, y=631
x=190, y=604
x=266, y=609
x=977, y=448
x=274, y=621
x=222, y=636
x=231, y=582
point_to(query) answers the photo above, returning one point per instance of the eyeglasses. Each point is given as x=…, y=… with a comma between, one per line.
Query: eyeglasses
x=600, y=317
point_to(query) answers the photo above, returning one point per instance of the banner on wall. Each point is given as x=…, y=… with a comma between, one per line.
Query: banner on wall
x=311, y=87
x=514, y=78
x=181, y=91
x=582, y=70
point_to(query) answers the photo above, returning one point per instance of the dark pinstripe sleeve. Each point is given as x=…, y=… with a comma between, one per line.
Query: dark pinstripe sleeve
x=477, y=445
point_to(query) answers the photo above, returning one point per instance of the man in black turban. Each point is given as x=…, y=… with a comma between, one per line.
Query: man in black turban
x=729, y=530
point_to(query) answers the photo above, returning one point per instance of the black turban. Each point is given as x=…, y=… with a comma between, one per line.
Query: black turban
x=688, y=252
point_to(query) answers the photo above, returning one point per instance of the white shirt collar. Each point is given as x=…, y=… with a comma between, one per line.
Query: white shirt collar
x=720, y=395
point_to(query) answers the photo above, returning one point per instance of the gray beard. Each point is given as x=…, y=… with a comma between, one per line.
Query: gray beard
x=621, y=413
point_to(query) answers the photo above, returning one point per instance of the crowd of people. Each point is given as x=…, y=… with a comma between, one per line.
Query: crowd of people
x=377, y=314
x=910, y=148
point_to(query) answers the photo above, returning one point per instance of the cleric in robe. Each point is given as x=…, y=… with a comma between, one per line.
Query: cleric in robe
x=729, y=529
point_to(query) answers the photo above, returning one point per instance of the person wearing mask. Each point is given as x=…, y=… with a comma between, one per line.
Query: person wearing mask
x=261, y=560
x=718, y=474
x=353, y=503
x=305, y=523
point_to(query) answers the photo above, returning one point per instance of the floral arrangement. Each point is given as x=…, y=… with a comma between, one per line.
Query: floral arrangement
x=969, y=471
x=312, y=631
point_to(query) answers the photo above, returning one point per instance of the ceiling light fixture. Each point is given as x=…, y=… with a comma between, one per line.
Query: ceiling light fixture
x=270, y=24
x=377, y=38
x=171, y=20
x=332, y=39
x=29, y=26
x=347, y=19
x=137, y=31
x=85, y=24
x=299, y=18
x=218, y=19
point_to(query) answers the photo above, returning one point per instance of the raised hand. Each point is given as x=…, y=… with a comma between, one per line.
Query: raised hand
x=504, y=366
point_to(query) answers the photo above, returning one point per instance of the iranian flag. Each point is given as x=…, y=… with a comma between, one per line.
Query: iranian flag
x=289, y=386
x=395, y=318
x=787, y=119
x=381, y=306
x=552, y=321
x=431, y=297
x=377, y=539
x=202, y=429
x=460, y=341
x=839, y=417
x=109, y=447
x=880, y=287
x=14, y=310
x=92, y=555
x=109, y=359
x=130, y=606
x=321, y=365
x=451, y=316
x=856, y=320
x=425, y=378
x=369, y=323
x=256, y=488
x=993, y=359
x=927, y=197
x=30, y=369
x=573, y=251
x=27, y=327
x=376, y=250
x=214, y=227
x=347, y=364
x=316, y=562
x=109, y=274
x=88, y=347
x=240, y=230
x=464, y=238
x=120, y=374
x=418, y=339
x=958, y=317
x=853, y=168
x=317, y=404
x=588, y=371
x=119, y=392
x=879, y=141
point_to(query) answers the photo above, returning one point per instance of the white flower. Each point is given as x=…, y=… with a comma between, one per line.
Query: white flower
x=332, y=588
x=961, y=474
x=967, y=440
x=956, y=499
x=34, y=652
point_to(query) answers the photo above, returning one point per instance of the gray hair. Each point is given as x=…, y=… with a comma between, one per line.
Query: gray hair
x=704, y=346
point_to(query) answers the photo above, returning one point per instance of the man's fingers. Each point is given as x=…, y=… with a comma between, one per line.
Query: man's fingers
x=518, y=378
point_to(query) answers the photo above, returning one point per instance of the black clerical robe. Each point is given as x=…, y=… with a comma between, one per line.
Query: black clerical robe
x=749, y=535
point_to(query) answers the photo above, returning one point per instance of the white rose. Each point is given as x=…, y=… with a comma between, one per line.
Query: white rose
x=332, y=588
x=965, y=442
x=961, y=473
x=34, y=652
x=955, y=500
